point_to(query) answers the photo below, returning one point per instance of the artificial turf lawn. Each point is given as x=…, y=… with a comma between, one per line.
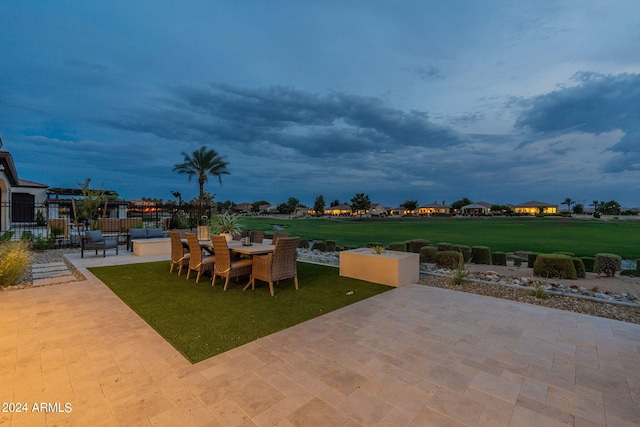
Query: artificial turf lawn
x=201, y=321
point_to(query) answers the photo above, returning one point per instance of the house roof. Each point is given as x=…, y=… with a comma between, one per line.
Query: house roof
x=485, y=204
x=435, y=205
x=340, y=207
x=25, y=183
x=534, y=204
x=475, y=206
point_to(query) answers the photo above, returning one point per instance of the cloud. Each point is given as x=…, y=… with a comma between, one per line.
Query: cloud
x=309, y=124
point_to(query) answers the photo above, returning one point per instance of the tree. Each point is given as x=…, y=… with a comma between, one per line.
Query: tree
x=568, y=201
x=201, y=164
x=255, y=206
x=89, y=207
x=336, y=202
x=289, y=206
x=609, y=208
x=410, y=205
x=360, y=203
x=318, y=205
x=578, y=209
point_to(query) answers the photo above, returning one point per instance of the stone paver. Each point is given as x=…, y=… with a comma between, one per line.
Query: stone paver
x=413, y=356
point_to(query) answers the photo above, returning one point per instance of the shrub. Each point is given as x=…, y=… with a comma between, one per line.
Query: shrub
x=638, y=267
x=415, y=245
x=589, y=263
x=15, y=258
x=481, y=255
x=554, y=265
x=580, y=270
x=449, y=259
x=41, y=243
x=320, y=245
x=499, y=258
x=303, y=243
x=571, y=254
x=459, y=276
x=608, y=264
x=398, y=246
x=372, y=244
x=445, y=246
x=464, y=250
x=531, y=258
x=428, y=254
x=331, y=245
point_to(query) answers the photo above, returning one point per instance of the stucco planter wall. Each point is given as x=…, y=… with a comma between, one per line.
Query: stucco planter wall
x=390, y=268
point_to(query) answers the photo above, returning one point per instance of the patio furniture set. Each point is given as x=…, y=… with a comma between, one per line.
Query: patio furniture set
x=236, y=258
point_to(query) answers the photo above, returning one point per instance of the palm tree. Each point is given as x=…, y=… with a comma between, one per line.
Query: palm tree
x=568, y=201
x=202, y=163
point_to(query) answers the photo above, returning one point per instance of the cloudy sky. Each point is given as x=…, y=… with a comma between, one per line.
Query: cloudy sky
x=498, y=101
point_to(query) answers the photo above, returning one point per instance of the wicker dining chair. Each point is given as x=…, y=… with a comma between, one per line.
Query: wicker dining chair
x=225, y=265
x=257, y=236
x=279, y=265
x=179, y=254
x=197, y=261
x=277, y=235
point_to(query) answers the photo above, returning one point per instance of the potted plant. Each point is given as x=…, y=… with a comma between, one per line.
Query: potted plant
x=226, y=224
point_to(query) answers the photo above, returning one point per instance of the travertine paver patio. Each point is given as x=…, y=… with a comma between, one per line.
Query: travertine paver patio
x=412, y=356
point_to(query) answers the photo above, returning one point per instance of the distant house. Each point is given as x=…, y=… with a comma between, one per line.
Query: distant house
x=475, y=209
x=268, y=209
x=338, y=210
x=534, y=207
x=244, y=207
x=377, y=209
x=19, y=199
x=397, y=211
x=434, y=208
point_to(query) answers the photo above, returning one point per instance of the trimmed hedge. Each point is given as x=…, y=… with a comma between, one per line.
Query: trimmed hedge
x=580, y=270
x=555, y=265
x=571, y=254
x=398, y=246
x=481, y=255
x=331, y=245
x=414, y=245
x=445, y=246
x=374, y=244
x=638, y=267
x=589, y=263
x=464, y=250
x=608, y=264
x=499, y=258
x=320, y=245
x=531, y=259
x=303, y=243
x=428, y=254
x=449, y=259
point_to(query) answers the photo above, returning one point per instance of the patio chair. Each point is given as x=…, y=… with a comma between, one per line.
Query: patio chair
x=279, y=265
x=179, y=254
x=225, y=265
x=94, y=240
x=197, y=260
x=257, y=236
x=277, y=235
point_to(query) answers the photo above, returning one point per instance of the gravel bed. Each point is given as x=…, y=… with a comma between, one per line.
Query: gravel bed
x=45, y=257
x=593, y=308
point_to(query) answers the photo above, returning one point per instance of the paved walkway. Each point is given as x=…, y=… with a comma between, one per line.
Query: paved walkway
x=413, y=356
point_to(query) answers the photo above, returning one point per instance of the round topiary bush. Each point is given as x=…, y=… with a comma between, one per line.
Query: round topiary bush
x=589, y=263
x=428, y=254
x=464, y=250
x=398, y=246
x=608, y=264
x=303, y=243
x=445, y=246
x=449, y=259
x=331, y=245
x=580, y=270
x=481, y=255
x=415, y=245
x=499, y=258
x=555, y=265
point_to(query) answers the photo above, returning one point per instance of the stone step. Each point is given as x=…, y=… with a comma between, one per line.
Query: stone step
x=51, y=273
x=54, y=280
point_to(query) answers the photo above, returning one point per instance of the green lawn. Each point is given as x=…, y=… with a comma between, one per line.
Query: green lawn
x=201, y=321
x=550, y=234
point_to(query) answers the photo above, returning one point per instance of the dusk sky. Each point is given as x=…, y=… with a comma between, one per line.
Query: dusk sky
x=496, y=101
